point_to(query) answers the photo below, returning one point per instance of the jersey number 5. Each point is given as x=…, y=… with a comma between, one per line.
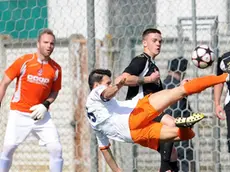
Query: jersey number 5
x=91, y=116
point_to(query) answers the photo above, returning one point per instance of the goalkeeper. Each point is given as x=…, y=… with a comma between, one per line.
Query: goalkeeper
x=38, y=83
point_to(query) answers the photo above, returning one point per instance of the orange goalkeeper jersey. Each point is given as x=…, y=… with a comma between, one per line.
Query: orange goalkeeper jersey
x=35, y=81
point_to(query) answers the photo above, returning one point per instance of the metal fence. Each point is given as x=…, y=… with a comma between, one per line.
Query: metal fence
x=107, y=34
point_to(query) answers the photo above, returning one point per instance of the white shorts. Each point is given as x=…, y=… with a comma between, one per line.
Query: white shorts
x=20, y=125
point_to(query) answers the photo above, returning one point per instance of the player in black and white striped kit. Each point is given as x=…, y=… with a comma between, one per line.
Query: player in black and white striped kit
x=218, y=89
x=143, y=77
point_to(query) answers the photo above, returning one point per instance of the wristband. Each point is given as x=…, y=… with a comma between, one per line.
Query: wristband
x=46, y=104
x=140, y=80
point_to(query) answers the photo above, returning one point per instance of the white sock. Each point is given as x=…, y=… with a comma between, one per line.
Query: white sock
x=7, y=157
x=5, y=164
x=56, y=165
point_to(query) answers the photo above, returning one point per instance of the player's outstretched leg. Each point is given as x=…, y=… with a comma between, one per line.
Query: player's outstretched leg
x=199, y=84
x=170, y=134
x=165, y=98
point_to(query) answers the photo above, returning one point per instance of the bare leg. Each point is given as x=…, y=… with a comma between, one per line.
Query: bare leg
x=168, y=120
x=165, y=98
x=169, y=134
x=172, y=134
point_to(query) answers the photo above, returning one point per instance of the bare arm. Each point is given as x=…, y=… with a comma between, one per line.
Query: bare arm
x=110, y=160
x=218, y=89
x=3, y=86
x=111, y=91
x=133, y=80
x=53, y=95
x=217, y=93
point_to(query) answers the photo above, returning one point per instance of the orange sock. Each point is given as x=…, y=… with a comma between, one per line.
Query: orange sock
x=185, y=133
x=199, y=84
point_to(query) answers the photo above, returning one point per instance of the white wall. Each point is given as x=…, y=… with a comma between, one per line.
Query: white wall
x=169, y=11
x=68, y=17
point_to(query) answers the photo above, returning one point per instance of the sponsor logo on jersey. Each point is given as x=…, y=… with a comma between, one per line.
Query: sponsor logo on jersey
x=37, y=79
x=40, y=71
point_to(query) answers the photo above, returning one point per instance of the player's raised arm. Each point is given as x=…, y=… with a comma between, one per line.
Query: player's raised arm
x=133, y=80
x=110, y=160
x=112, y=90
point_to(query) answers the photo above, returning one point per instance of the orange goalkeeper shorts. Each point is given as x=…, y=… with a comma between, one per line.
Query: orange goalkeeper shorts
x=143, y=129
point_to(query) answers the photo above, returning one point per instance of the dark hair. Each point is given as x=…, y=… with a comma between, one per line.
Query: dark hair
x=148, y=31
x=46, y=31
x=96, y=76
x=178, y=64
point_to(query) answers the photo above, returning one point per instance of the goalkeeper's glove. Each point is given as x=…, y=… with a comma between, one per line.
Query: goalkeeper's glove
x=39, y=110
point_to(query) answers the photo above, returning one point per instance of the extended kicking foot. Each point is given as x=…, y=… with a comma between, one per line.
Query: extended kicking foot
x=189, y=121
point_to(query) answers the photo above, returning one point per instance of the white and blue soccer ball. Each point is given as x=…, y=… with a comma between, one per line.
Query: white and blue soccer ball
x=203, y=56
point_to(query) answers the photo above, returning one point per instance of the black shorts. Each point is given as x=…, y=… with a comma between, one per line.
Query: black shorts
x=227, y=108
x=159, y=117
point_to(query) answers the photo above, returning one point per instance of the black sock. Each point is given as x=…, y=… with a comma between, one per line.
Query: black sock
x=228, y=144
x=165, y=166
x=174, y=166
x=165, y=151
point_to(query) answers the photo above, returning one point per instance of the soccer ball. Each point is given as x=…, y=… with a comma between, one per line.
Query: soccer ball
x=203, y=56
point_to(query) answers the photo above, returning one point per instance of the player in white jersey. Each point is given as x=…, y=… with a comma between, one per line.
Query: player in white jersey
x=131, y=121
x=106, y=113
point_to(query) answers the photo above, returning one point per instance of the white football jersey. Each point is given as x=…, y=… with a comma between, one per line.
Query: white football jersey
x=109, y=118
